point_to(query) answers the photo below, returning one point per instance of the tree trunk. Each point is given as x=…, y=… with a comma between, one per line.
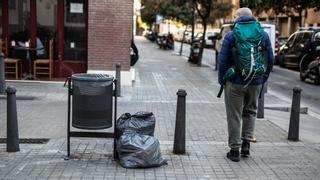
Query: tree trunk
x=193, y=27
x=300, y=17
x=241, y=3
x=204, y=23
x=183, y=37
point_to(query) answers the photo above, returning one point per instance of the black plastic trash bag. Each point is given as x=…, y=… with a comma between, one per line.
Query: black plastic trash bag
x=140, y=122
x=139, y=151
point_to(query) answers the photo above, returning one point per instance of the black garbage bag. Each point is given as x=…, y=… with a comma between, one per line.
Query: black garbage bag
x=139, y=151
x=140, y=122
x=134, y=58
x=134, y=54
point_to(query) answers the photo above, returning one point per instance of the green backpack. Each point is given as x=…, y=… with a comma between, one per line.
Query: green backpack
x=250, y=52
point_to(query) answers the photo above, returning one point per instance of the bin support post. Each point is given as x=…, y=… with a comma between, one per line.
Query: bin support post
x=115, y=154
x=69, y=114
x=293, y=134
x=12, y=121
x=179, y=146
x=2, y=75
x=118, y=77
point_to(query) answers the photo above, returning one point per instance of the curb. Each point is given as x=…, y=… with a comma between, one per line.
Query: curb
x=303, y=110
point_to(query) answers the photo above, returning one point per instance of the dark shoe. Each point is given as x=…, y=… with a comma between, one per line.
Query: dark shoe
x=245, y=148
x=233, y=155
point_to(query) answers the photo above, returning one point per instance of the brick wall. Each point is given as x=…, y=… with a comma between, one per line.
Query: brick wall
x=109, y=34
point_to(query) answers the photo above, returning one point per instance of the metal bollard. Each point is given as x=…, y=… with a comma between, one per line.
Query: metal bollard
x=260, y=113
x=293, y=134
x=118, y=77
x=217, y=61
x=2, y=75
x=12, y=121
x=179, y=146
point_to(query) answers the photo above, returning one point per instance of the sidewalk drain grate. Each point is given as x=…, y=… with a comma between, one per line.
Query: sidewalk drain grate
x=26, y=98
x=27, y=141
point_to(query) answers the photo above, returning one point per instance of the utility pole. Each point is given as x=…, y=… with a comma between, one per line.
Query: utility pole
x=241, y=3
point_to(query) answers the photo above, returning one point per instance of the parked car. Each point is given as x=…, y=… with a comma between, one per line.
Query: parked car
x=210, y=33
x=188, y=37
x=225, y=28
x=151, y=35
x=280, y=41
x=310, y=62
x=178, y=36
x=298, y=44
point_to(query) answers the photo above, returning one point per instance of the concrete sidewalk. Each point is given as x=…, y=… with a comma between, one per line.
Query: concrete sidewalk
x=42, y=111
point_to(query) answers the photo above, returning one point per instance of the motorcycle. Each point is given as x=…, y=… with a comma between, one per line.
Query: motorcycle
x=195, y=45
x=165, y=41
x=310, y=66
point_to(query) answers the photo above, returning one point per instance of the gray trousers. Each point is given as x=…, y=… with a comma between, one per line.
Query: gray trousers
x=241, y=106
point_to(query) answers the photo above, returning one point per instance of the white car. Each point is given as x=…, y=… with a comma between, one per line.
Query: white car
x=209, y=33
x=178, y=36
x=225, y=28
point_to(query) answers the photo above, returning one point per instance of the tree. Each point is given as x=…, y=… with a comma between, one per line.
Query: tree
x=170, y=9
x=288, y=7
x=210, y=10
x=181, y=10
x=300, y=5
x=148, y=12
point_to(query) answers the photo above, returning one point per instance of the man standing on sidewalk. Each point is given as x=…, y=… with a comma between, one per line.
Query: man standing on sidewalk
x=246, y=60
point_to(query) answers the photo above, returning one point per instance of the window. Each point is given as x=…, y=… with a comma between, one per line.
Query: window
x=19, y=30
x=306, y=37
x=291, y=40
x=75, y=30
x=317, y=37
x=47, y=24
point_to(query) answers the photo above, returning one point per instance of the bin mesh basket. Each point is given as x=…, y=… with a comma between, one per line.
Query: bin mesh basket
x=92, y=101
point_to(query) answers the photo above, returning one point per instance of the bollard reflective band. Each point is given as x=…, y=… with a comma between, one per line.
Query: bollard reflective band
x=11, y=90
x=297, y=89
x=182, y=92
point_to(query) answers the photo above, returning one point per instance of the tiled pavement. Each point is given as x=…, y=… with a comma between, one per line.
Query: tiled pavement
x=42, y=109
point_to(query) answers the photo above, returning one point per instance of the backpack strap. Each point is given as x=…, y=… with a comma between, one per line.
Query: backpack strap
x=220, y=92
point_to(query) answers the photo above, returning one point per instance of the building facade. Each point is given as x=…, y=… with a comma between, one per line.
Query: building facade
x=89, y=36
x=285, y=25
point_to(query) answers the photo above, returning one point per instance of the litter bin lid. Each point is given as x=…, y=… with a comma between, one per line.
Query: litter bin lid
x=91, y=77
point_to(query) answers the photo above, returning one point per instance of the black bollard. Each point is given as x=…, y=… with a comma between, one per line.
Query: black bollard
x=217, y=61
x=179, y=146
x=118, y=77
x=260, y=113
x=2, y=75
x=293, y=134
x=12, y=121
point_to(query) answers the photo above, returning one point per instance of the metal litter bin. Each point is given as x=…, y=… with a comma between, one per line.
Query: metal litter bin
x=92, y=101
x=90, y=107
